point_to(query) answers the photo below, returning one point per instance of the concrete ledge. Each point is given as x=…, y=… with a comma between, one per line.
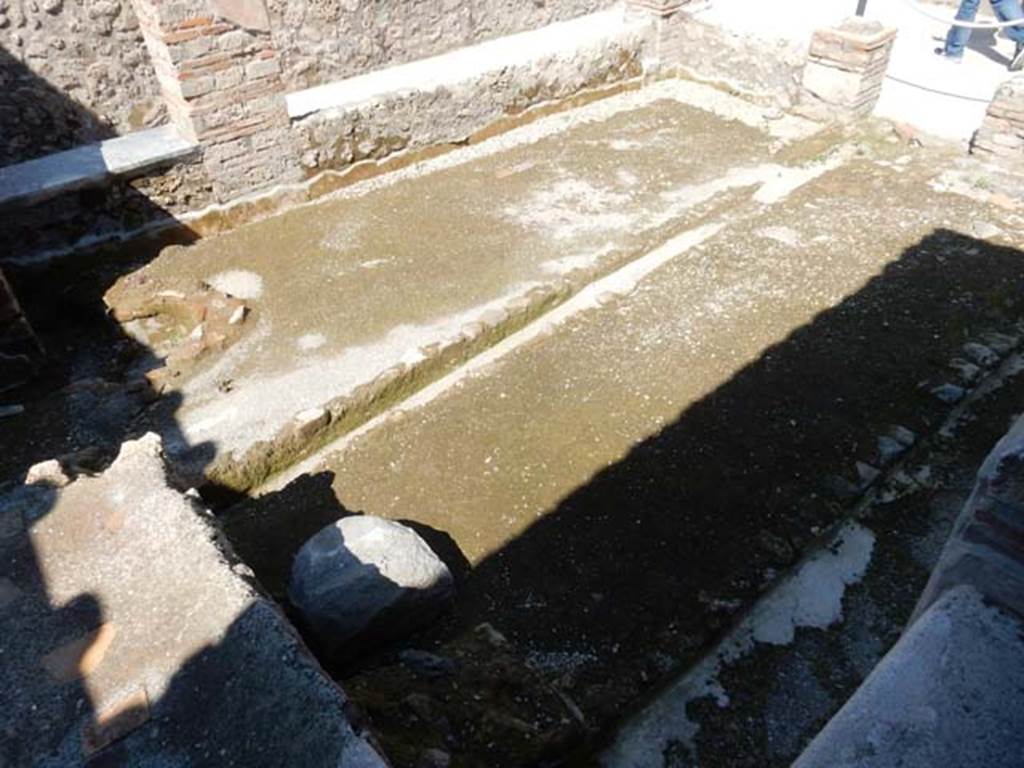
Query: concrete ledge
x=90, y=165
x=462, y=65
x=948, y=693
x=437, y=105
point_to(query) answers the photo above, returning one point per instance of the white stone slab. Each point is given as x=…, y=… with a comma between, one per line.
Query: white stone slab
x=89, y=165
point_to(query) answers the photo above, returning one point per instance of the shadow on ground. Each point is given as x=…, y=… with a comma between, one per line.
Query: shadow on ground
x=637, y=572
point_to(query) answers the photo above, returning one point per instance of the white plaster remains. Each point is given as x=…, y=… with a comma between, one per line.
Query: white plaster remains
x=240, y=283
x=811, y=597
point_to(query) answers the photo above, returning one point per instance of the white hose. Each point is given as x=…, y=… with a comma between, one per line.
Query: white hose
x=966, y=24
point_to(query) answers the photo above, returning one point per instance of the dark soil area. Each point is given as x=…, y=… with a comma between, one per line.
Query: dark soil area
x=781, y=697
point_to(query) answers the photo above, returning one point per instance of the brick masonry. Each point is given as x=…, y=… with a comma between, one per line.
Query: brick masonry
x=666, y=19
x=1002, y=131
x=846, y=65
x=985, y=551
x=222, y=85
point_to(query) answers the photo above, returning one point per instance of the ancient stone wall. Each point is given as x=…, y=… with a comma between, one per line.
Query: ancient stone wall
x=1002, y=131
x=71, y=72
x=761, y=68
x=95, y=214
x=336, y=138
x=325, y=40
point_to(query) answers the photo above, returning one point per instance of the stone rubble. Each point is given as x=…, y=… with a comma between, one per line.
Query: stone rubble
x=365, y=580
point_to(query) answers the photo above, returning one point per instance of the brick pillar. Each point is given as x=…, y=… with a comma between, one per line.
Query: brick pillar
x=1002, y=130
x=844, y=71
x=668, y=34
x=20, y=351
x=219, y=72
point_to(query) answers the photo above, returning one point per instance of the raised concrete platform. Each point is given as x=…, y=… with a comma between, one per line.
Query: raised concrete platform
x=91, y=165
x=132, y=636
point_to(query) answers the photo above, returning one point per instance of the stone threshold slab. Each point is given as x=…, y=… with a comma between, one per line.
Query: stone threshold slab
x=91, y=165
x=134, y=636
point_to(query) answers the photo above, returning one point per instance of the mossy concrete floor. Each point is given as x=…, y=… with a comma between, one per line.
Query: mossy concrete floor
x=383, y=274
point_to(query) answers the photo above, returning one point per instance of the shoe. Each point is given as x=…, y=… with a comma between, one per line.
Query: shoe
x=941, y=53
x=1017, y=62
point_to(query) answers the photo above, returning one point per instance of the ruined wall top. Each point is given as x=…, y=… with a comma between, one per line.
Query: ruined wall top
x=325, y=40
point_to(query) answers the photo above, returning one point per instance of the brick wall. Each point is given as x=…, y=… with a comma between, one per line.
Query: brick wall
x=1002, y=131
x=222, y=85
x=845, y=68
x=683, y=44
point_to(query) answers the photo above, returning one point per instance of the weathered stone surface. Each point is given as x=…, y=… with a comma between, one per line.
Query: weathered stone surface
x=411, y=119
x=179, y=320
x=366, y=579
x=48, y=472
x=128, y=630
x=110, y=212
x=1002, y=131
x=948, y=693
x=756, y=65
x=985, y=550
x=846, y=64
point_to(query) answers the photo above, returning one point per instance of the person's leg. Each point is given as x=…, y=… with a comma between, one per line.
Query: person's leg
x=957, y=38
x=1009, y=10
